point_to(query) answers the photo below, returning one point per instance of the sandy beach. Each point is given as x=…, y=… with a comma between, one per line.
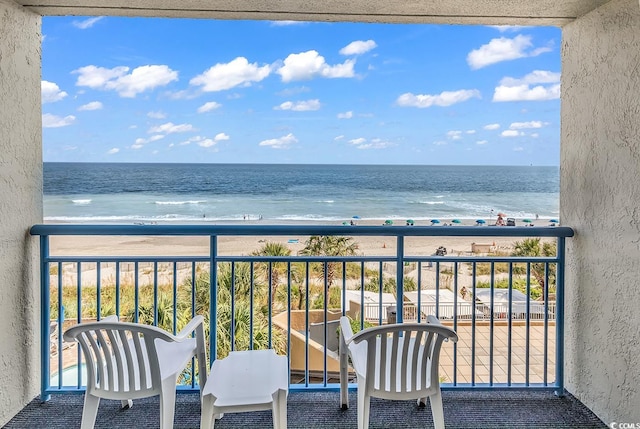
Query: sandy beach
x=244, y=245
x=171, y=246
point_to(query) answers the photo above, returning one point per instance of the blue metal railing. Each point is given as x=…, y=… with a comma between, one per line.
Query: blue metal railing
x=505, y=360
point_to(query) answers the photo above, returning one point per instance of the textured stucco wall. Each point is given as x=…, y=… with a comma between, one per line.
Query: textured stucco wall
x=600, y=197
x=20, y=206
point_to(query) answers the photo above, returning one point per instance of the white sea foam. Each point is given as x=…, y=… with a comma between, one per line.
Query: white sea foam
x=179, y=203
x=81, y=202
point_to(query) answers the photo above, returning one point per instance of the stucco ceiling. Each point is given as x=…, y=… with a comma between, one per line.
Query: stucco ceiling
x=514, y=12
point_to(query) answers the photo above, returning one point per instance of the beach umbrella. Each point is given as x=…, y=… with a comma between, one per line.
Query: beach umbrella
x=502, y=214
x=345, y=223
x=554, y=221
x=434, y=221
x=456, y=221
x=526, y=220
x=410, y=222
x=355, y=217
x=388, y=222
x=480, y=221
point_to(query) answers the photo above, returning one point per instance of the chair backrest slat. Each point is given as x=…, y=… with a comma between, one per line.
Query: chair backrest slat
x=120, y=357
x=416, y=360
x=405, y=356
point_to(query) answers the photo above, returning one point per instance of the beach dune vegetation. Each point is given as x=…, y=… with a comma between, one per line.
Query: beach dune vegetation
x=327, y=245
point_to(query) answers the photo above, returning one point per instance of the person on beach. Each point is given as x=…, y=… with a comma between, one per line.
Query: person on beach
x=500, y=221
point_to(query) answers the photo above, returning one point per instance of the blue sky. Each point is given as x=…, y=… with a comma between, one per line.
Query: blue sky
x=169, y=90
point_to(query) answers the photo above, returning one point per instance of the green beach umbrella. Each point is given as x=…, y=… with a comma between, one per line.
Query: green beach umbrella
x=388, y=222
x=480, y=221
x=456, y=221
x=345, y=223
x=434, y=221
x=410, y=222
x=526, y=220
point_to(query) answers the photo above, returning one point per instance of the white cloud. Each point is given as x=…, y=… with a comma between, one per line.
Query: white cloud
x=142, y=141
x=446, y=98
x=53, y=121
x=238, y=72
x=358, y=141
x=308, y=65
x=481, y=142
x=511, y=133
x=207, y=143
x=170, y=128
x=345, y=115
x=51, y=92
x=375, y=144
x=508, y=28
x=535, y=135
x=518, y=149
x=536, y=76
x=491, y=126
x=87, y=23
x=547, y=87
x=191, y=140
x=113, y=151
x=440, y=143
x=157, y=115
x=526, y=93
x=503, y=49
x=127, y=85
x=209, y=106
x=470, y=131
x=287, y=23
x=94, y=105
x=358, y=47
x=283, y=142
x=338, y=138
x=524, y=125
x=454, y=135
x=300, y=106
x=221, y=137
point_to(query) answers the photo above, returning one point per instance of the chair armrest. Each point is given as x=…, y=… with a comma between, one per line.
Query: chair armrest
x=345, y=329
x=449, y=334
x=197, y=324
x=191, y=326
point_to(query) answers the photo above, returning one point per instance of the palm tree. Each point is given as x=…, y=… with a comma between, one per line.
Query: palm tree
x=533, y=247
x=329, y=245
x=273, y=269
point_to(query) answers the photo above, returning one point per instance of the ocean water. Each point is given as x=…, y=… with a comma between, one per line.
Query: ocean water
x=125, y=193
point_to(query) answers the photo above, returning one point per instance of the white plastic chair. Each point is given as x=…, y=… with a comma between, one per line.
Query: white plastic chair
x=395, y=361
x=127, y=361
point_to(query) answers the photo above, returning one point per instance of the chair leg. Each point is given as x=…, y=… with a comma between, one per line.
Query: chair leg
x=364, y=402
x=207, y=420
x=167, y=403
x=436, y=410
x=89, y=411
x=279, y=407
x=126, y=404
x=344, y=375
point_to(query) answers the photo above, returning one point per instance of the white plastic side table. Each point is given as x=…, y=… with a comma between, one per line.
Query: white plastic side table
x=252, y=380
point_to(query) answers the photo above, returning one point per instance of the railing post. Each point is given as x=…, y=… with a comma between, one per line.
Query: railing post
x=45, y=298
x=560, y=317
x=213, y=296
x=400, y=280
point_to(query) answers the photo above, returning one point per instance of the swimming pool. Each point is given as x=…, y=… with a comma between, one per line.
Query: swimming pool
x=70, y=376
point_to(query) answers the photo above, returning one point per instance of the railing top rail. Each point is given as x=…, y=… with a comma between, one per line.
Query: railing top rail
x=359, y=230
